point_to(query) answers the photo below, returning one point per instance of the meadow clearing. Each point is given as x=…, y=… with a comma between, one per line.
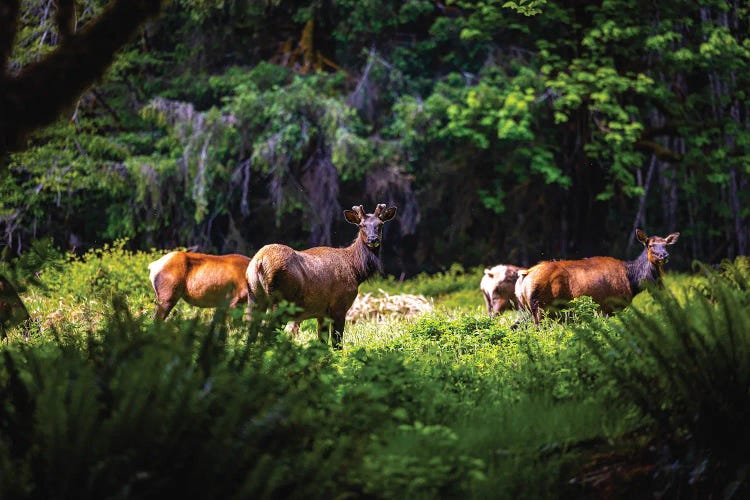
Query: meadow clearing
x=443, y=402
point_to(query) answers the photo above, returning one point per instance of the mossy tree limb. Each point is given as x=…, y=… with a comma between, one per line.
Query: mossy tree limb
x=42, y=90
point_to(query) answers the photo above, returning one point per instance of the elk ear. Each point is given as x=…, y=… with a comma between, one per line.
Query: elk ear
x=352, y=217
x=641, y=236
x=388, y=214
x=672, y=238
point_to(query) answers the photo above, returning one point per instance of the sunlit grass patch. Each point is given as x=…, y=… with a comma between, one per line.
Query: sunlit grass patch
x=457, y=285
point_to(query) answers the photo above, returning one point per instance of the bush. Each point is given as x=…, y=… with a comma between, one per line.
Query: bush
x=687, y=366
x=420, y=461
x=146, y=410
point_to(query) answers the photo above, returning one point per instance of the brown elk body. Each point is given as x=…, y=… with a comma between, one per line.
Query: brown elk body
x=610, y=282
x=321, y=281
x=498, y=287
x=12, y=310
x=199, y=279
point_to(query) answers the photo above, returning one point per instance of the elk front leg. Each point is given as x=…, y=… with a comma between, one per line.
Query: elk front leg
x=488, y=302
x=337, y=338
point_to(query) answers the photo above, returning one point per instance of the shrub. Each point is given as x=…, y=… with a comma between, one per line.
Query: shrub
x=167, y=409
x=420, y=461
x=687, y=366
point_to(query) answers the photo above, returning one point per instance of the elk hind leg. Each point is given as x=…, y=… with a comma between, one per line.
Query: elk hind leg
x=536, y=311
x=163, y=308
x=168, y=293
x=487, y=302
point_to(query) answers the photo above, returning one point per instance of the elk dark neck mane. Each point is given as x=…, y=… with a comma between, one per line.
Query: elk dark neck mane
x=640, y=270
x=365, y=260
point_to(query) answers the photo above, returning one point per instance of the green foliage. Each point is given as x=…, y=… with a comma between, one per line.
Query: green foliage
x=93, y=280
x=528, y=445
x=686, y=366
x=281, y=123
x=23, y=271
x=147, y=410
x=424, y=464
x=533, y=113
x=454, y=403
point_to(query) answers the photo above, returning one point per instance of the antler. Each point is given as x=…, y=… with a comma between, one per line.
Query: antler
x=378, y=209
x=359, y=210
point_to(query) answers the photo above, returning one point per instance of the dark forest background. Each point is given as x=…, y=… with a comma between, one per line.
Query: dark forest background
x=503, y=131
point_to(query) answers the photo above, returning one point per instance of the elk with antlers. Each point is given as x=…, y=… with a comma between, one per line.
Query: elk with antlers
x=612, y=283
x=321, y=281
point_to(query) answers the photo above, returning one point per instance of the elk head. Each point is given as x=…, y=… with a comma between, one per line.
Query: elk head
x=656, y=246
x=370, y=225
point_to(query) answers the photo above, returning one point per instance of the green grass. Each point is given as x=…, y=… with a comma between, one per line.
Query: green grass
x=455, y=288
x=450, y=403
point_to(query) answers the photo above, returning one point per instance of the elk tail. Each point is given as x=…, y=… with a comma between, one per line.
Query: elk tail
x=519, y=288
x=155, y=267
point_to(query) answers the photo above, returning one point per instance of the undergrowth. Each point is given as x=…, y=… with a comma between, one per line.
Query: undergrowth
x=102, y=402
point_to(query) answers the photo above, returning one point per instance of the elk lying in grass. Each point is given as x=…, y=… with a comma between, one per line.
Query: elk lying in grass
x=12, y=310
x=610, y=282
x=321, y=281
x=498, y=287
x=199, y=279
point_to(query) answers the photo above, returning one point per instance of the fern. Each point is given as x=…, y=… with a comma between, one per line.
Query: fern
x=687, y=365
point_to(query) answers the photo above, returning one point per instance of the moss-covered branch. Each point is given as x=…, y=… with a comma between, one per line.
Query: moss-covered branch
x=42, y=90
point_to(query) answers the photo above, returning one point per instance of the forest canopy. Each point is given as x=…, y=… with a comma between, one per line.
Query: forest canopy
x=503, y=131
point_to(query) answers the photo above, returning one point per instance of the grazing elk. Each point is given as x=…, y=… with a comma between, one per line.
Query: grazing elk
x=498, y=286
x=322, y=281
x=12, y=310
x=199, y=279
x=612, y=283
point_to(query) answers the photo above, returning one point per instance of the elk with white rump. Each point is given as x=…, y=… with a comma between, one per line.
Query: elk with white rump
x=322, y=281
x=612, y=283
x=498, y=286
x=199, y=279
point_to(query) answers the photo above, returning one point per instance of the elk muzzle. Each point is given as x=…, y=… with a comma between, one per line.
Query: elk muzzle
x=659, y=256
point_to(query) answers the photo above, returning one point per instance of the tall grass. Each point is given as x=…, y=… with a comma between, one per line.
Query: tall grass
x=102, y=402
